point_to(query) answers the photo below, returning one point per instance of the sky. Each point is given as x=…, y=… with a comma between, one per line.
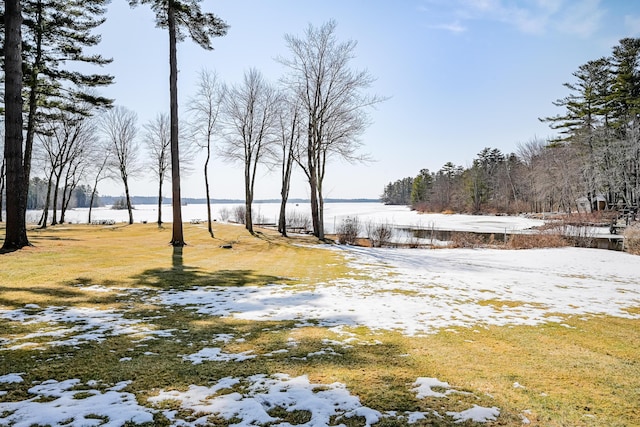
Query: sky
x=458, y=75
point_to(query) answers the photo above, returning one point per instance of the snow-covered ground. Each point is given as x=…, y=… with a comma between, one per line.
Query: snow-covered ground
x=413, y=291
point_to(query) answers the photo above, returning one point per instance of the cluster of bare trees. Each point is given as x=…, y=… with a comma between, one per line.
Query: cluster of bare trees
x=317, y=111
x=594, y=163
x=55, y=34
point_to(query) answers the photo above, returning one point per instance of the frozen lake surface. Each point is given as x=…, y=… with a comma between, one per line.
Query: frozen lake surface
x=335, y=213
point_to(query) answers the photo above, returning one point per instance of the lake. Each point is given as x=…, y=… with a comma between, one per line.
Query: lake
x=335, y=213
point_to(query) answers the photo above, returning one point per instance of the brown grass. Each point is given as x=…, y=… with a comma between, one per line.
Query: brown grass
x=584, y=372
x=632, y=239
x=538, y=240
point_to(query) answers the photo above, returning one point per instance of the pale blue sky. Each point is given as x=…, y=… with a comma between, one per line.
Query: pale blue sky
x=460, y=75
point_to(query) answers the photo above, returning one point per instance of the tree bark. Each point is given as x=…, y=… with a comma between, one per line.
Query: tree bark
x=47, y=203
x=160, y=201
x=128, y=197
x=206, y=185
x=1, y=186
x=54, y=218
x=248, y=197
x=284, y=193
x=313, y=182
x=177, y=237
x=16, y=227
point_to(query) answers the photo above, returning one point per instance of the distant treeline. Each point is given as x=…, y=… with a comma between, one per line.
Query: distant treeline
x=78, y=197
x=152, y=200
x=593, y=164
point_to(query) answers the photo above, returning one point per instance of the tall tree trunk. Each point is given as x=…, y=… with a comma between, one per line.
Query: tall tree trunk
x=1, y=186
x=177, y=238
x=16, y=227
x=47, y=203
x=160, y=200
x=54, y=218
x=93, y=196
x=284, y=193
x=287, y=169
x=320, y=212
x=313, y=182
x=128, y=198
x=95, y=187
x=248, y=198
x=206, y=185
x=66, y=195
x=320, y=171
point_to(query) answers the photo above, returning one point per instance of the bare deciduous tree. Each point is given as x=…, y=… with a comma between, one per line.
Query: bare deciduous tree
x=334, y=102
x=250, y=119
x=289, y=134
x=205, y=107
x=118, y=126
x=158, y=141
x=65, y=143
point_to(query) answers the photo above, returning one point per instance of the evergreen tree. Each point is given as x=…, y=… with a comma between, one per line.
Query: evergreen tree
x=585, y=107
x=178, y=17
x=398, y=192
x=421, y=189
x=625, y=89
x=54, y=34
x=16, y=227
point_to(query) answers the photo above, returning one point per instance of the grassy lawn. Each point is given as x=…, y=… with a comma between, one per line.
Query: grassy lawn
x=584, y=372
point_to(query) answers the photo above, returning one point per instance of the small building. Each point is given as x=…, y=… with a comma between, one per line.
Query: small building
x=597, y=203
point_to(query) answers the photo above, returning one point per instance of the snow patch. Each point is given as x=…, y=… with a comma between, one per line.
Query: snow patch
x=59, y=403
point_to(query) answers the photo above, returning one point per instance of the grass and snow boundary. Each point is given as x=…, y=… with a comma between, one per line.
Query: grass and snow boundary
x=414, y=292
x=252, y=401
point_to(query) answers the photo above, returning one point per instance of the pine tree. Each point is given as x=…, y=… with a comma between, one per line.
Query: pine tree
x=55, y=33
x=625, y=89
x=421, y=188
x=16, y=228
x=586, y=105
x=178, y=17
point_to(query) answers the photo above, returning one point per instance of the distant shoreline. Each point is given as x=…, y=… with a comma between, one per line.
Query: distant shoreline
x=148, y=200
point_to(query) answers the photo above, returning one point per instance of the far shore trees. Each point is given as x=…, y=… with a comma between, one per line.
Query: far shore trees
x=178, y=16
x=119, y=128
x=593, y=163
x=334, y=101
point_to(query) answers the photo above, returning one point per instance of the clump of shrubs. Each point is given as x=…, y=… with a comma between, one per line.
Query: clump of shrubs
x=349, y=230
x=632, y=239
x=379, y=234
